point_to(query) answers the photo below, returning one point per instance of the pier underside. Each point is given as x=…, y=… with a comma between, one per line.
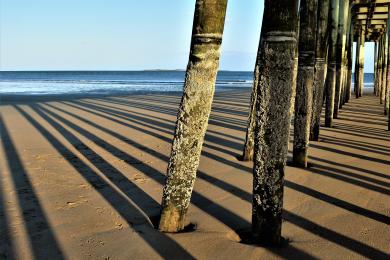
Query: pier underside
x=372, y=15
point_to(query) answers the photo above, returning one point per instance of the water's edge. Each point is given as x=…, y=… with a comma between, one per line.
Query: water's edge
x=53, y=83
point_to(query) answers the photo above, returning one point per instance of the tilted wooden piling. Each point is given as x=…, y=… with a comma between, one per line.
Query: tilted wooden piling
x=320, y=67
x=305, y=81
x=247, y=152
x=248, y=149
x=193, y=113
x=331, y=74
x=276, y=65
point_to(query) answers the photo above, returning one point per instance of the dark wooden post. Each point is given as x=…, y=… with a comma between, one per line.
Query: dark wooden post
x=388, y=114
x=320, y=67
x=387, y=104
x=340, y=53
x=331, y=74
x=349, y=62
x=379, y=67
x=375, y=67
x=388, y=119
x=305, y=81
x=193, y=113
x=347, y=56
x=276, y=70
x=384, y=68
x=247, y=153
x=387, y=89
x=356, y=86
x=294, y=82
x=380, y=77
x=361, y=62
x=359, y=67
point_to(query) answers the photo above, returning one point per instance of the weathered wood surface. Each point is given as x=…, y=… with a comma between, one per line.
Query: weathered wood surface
x=320, y=67
x=375, y=68
x=331, y=74
x=340, y=54
x=276, y=70
x=193, y=112
x=387, y=88
x=305, y=81
x=384, y=69
x=349, y=63
x=378, y=75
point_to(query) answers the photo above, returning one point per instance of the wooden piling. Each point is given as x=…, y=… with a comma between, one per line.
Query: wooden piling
x=340, y=53
x=193, y=112
x=384, y=68
x=247, y=152
x=331, y=74
x=387, y=88
x=349, y=62
x=375, y=66
x=359, y=64
x=276, y=70
x=305, y=81
x=379, y=67
x=347, y=33
x=320, y=67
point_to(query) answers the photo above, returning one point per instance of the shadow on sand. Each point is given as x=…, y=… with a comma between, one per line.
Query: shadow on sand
x=132, y=113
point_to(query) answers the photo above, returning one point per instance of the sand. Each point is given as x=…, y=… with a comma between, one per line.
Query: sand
x=81, y=178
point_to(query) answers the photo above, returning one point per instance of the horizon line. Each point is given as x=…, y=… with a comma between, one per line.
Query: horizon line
x=121, y=70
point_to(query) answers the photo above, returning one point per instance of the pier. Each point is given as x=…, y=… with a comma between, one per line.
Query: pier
x=295, y=167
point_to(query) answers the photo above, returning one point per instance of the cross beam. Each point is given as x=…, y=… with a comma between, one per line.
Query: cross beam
x=370, y=16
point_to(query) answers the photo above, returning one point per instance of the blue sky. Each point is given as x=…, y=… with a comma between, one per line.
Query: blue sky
x=119, y=34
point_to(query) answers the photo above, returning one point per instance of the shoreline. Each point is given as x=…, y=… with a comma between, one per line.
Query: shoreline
x=6, y=99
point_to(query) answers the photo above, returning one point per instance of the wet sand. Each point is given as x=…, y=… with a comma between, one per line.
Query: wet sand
x=81, y=178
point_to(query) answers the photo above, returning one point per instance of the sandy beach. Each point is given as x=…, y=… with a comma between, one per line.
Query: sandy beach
x=81, y=178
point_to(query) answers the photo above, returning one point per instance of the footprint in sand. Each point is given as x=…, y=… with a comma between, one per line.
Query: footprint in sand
x=138, y=178
x=73, y=204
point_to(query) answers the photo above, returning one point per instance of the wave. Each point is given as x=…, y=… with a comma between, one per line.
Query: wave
x=43, y=83
x=51, y=88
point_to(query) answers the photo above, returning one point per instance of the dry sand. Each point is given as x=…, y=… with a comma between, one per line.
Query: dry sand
x=82, y=179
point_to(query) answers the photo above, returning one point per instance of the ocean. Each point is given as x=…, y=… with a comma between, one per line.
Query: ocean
x=114, y=82
x=107, y=82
